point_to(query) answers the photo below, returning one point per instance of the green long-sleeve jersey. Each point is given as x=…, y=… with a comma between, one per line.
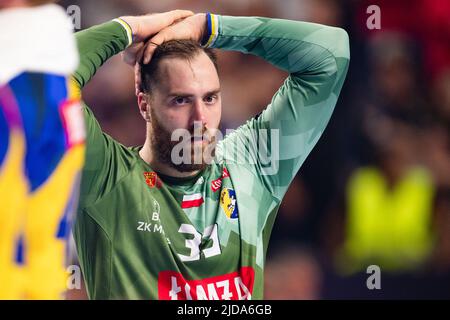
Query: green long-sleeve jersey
x=142, y=235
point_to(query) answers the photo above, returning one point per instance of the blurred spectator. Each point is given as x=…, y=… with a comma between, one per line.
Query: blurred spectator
x=389, y=213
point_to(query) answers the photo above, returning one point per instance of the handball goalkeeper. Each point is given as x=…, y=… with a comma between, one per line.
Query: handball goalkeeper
x=159, y=221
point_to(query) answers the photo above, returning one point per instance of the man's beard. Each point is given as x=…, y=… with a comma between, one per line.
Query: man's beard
x=201, y=154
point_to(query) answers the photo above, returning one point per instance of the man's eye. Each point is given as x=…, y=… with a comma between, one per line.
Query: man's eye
x=180, y=100
x=211, y=99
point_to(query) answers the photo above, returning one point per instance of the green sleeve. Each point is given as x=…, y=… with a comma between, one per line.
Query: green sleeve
x=106, y=159
x=317, y=59
x=96, y=45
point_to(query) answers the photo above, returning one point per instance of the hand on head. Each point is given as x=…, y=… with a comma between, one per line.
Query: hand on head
x=149, y=31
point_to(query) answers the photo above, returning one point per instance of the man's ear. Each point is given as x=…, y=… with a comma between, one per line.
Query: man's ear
x=144, y=106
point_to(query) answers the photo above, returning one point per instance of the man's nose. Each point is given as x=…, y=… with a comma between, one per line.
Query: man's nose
x=198, y=111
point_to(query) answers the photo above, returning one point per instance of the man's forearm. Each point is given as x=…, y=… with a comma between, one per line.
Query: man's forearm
x=294, y=46
x=96, y=45
x=317, y=58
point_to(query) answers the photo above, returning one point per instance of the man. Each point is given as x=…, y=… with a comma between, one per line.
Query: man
x=41, y=147
x=151, y=226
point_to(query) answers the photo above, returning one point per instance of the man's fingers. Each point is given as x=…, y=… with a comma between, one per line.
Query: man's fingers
x=146, y=26
x=140, y=54
x=126, y=58
x=179, y=14
x=171, y=17
x=133, y=53
x=186, y=29
x=153, y=43
x=148, y=52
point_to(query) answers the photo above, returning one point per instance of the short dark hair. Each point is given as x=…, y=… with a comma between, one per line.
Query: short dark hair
x=183, y=49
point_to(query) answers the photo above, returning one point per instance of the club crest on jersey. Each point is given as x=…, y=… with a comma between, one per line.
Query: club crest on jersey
x=228, y=203
x=216, y=184
x=152, y=179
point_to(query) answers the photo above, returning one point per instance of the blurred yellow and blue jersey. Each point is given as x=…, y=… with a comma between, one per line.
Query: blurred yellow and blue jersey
x=41, y=149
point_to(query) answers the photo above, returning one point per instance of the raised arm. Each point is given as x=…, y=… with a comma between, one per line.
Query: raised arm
x=317, y=59
x=99, y=43
x=96, y=45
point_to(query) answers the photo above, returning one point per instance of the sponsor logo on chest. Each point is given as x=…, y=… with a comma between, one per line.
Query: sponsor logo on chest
x=155, y=225
x=216, y=184
x=232, y=286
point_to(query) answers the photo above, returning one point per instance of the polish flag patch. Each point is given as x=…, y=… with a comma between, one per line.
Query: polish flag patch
x=192, y=200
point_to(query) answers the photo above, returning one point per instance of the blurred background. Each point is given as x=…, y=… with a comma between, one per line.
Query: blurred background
x=376, y=188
